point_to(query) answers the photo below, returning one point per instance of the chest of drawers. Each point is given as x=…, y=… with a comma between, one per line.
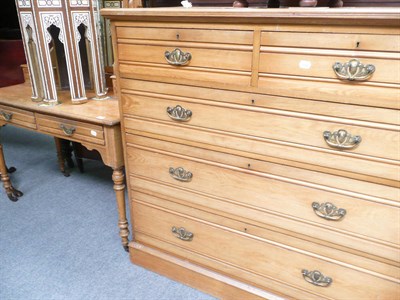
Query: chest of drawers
x=262, y=148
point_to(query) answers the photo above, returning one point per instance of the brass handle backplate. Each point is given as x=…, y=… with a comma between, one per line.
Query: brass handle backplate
x=178, y=113
x=182, y=234
x=177, y=57
x=353, y=70
x=341, y=139
x=180, y=174
x=6, y=116
x=328, y=211
x=67, y=130
x=316, y=278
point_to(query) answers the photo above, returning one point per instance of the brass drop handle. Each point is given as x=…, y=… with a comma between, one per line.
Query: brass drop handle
x=180, y=174
x=316, y=278
x=328, y=211
x=182, y=234
x=6, y=116
x=353, y=70
x=178, y=113
x=67, y=130
x=341, y=139
x=177, y=57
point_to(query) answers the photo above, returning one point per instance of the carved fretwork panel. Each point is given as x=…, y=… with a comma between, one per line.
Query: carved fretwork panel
x=63, y=47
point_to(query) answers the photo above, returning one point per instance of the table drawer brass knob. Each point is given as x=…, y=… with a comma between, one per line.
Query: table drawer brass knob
x=178, y=113
x=316, y=278
x=341, y=139
x=182, y=234
x=6, y=116
x=177, y=57
x=353, y=70
x=328, y=211
x=67, y=130
x=180, y=174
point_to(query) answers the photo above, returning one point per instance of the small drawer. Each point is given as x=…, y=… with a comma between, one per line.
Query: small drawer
x=17, y=117
x=327, y=214
x=322, y=66
x=186, y=35
x=186, y=62
x=252, y=254
x=71, y=130
x=336, y=91
x=329, y=40
x=191, y=57
x=278, y=126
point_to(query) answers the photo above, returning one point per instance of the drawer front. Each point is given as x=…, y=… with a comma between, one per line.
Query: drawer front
x=186, y=55
x=303, y=64
x=199, y=65
x=71, y=130
x=328, y=40
x=340, y=110
x=333, y=162
x=17, y=117
x=258, y=123
x=200, y=57
x=330, y=90
x=257, y=255
x=328, y=211
x=179, y=35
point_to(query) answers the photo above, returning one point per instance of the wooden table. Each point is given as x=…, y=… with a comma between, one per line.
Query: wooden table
x=96, y=125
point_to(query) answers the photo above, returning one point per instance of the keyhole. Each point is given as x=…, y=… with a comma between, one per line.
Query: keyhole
x=177, y=36
x=357, y=44
x=253, y=101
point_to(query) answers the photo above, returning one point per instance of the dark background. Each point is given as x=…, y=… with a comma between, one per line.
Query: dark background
x=9, y=26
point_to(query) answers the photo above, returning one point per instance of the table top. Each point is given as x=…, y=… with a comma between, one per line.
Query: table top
x=104, y=112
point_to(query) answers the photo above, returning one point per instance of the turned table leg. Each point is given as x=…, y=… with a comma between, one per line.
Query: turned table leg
x=11, y=192
x=60, y=156
x=119, y=188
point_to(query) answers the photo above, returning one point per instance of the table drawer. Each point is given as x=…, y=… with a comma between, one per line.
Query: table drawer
x=321, y=66
x=301, y=130
x=330, y=40
x=70, y=129
x=17, y=117
x=272, y=194
x=249, y=253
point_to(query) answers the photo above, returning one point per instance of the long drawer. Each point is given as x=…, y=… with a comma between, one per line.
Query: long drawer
x=17, y=117
x=274, y=135
x=70, y=129
x=279, y=197
x=340, y=110
x=299, y=129
x=249, y=253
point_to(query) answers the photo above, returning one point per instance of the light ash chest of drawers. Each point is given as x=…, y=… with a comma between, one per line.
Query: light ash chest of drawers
x=262, y=148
